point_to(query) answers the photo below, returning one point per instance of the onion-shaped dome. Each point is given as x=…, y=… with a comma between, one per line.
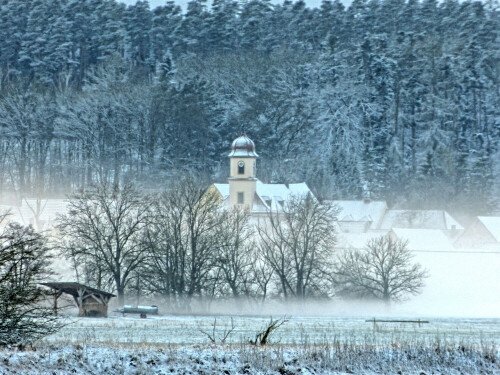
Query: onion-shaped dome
x=243, y=147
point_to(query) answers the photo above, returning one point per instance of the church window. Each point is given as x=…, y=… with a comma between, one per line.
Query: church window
x=240, y=198
x=241, y=167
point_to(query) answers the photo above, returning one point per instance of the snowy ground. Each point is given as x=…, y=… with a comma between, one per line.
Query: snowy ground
x=410, y=358
x=187, y=330
x=304, y=345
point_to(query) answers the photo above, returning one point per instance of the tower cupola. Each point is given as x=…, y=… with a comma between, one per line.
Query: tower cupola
x=243, y=147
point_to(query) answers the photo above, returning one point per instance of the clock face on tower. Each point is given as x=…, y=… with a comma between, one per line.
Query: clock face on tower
x=241, y=164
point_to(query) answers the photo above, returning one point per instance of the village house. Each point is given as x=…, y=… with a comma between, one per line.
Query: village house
x=421, y=219
x=360, y=216
x=483, y=232
x=425, y=230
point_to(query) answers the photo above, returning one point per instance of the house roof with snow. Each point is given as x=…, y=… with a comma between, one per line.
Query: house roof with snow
x=418, y=239
x=483, y=232
x=492, y=224
x=419, y=219
x=268, y=196
x=346, y=240
x=424, y=239
x=361, y=210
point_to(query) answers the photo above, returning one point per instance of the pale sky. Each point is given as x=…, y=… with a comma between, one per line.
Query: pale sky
x=182, y=3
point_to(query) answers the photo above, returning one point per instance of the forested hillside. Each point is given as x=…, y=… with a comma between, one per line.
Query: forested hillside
x=399, y=100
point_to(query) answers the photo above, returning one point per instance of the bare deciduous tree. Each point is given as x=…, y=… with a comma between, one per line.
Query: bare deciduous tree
x=24, y=262
x=104, y=228
x=298, y=243
x=27, y=126
x=383, y=270
x=181, y=241
x=262, y=274
x=234, y=254
x=167, y=259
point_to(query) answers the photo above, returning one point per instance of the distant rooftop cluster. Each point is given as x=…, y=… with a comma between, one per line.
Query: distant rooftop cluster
x=425, y=230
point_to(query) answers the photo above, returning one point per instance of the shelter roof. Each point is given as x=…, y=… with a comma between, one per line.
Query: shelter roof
x=72, y=288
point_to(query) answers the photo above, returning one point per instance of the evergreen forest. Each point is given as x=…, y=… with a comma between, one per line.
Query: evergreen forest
x=383, y=99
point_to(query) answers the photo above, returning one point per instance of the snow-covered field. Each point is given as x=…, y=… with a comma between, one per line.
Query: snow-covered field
x=187, y=330
x=303, y=345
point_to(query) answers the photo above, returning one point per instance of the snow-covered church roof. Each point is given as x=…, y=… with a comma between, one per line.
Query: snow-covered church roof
x=269, y=196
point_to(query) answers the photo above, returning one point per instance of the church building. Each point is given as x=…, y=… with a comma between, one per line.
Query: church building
x=244, y=188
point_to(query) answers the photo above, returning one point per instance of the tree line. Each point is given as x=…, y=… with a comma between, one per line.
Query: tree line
x=386, y=99
x=182, y=245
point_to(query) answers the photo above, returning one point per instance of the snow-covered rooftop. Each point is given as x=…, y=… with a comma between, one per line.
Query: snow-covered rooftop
x=424, y=239
x=361, y=210
x=273, y=196
x=419, y=219
x=357, y=240
x=492, y=224
x=223, y=190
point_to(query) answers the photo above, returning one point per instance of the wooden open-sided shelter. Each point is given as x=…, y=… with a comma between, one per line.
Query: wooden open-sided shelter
x=91, y=302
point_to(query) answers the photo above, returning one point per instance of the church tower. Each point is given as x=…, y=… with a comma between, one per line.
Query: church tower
x=242, y=179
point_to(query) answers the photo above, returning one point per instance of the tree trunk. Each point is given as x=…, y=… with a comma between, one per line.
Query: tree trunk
x=121, y=295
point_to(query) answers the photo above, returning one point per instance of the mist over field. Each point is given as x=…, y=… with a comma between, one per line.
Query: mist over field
x=460, y=285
